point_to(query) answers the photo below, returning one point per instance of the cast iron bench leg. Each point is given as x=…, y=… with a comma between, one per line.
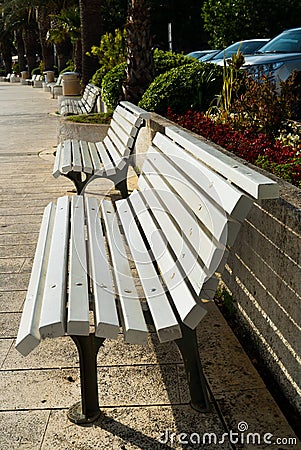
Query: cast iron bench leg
x=196, y=380
x=87, y=410
x=79, y=184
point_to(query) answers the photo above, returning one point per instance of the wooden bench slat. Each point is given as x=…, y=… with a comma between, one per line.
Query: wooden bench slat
x=122, y=136
x=135, y=109
x=78, y=288
x=106, y=317
x=134, y=326
x=53, y=313
x=128, y=127
x=105, y=158
x=66, y=158
x=212, y=255
x=190, y=311
x=252, y=182
x=118, y=159
x=28, y=334
x=87, y=162
x=97, y=166
x=57, y=162
x=179, y=184
x=164, y=319
x=133, y=119
x=122, y=149
x=76, y=157
x=232, y=200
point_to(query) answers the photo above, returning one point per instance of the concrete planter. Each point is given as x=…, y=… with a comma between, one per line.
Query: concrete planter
x=83, y=131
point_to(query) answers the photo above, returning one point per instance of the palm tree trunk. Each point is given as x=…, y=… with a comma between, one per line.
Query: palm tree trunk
x=44, y=25
x=91, y=31
x=140, y=67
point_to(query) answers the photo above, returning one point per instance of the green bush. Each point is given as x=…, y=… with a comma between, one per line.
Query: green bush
x=111, y=52
x=186, y=87
x=36, y=71
x=164, y=61
x=111, y=85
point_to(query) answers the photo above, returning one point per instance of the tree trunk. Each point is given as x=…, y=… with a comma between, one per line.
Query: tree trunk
x=91, y=31
x=44, y=25
x=21, y=49
x=30, y=48
x=140, y=67
x=63, y=53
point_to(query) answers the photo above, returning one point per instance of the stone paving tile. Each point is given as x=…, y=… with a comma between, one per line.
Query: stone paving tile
x=11, y=301
x=9, y=324
x=17, y=250
x=135, y=428
x=255, y=411
x=60, y=388
x=11, y=265
x=13, y=281
x=5, y=345
x=223, y=359
x=61, y=352
x=22, y=429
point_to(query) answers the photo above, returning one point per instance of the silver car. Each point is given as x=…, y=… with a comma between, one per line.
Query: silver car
x=278, y=58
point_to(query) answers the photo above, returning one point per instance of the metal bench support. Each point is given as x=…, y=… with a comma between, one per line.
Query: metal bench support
x=188, y=347
x=87, y=410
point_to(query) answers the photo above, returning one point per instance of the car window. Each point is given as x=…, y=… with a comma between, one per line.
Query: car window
x=287, y=42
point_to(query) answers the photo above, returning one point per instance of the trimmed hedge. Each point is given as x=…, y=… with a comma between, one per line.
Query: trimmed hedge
x=182, y=88
x=111, y=86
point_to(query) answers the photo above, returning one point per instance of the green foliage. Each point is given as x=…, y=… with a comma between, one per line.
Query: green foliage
x=69, y=68
x=111, y=86
x=164, y=61
x=95, y=118
x=111, y=52
x=227, y=22
x=191, y=86
x=36, y=71
x=286, y=171
x=112, y=82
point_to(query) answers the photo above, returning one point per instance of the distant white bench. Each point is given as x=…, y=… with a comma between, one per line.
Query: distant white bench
x=175, y=232
x=83, y=161
x=56, y=87
x=35, y=81
x=84, y=105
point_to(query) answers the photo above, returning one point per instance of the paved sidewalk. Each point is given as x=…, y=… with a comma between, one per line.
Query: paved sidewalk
x=142, y=390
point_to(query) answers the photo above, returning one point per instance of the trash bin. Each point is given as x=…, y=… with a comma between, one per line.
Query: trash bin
x=24, y=75
x=71, y=83
x=49, y=76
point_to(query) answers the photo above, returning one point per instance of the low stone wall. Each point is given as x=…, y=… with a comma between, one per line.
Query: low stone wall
x=263, y=276
x=83, y=131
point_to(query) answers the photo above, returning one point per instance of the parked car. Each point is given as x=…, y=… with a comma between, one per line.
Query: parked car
x=279, y=57
x=199, y=54
x=247, y=47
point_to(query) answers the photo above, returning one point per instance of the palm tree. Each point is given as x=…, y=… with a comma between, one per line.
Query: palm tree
x=65, y=28
x=140, y=67
x=91, y=31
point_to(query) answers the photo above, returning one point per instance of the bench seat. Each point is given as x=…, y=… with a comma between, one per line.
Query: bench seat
x=84, y=105
x=102, y=268
x=83, y=161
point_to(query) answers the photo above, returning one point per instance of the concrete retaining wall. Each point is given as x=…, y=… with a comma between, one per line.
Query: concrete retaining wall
x=264, y=277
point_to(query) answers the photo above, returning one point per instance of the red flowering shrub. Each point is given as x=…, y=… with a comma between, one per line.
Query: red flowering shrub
x=257, y=148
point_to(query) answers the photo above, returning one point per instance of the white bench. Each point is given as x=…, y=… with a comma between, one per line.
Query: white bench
x=176, y=230
x=84, y=105
x=83, y=161
x=56, y=87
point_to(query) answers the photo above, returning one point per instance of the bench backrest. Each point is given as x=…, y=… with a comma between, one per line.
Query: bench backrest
x=89, y=97
x=197, y=197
